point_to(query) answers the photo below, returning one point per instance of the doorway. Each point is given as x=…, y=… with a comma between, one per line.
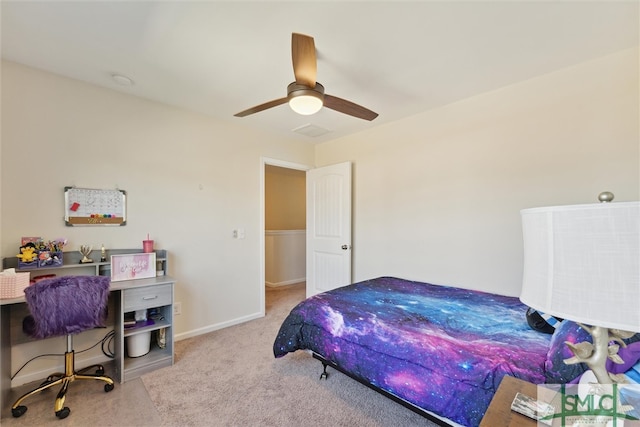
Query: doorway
x=283, y=226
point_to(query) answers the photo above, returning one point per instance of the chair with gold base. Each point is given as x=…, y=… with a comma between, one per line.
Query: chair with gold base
x=59, y=306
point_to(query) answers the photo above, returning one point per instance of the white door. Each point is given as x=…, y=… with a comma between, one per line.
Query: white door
x=328, y=228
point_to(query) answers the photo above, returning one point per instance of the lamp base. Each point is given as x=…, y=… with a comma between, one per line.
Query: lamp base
x=595, y=354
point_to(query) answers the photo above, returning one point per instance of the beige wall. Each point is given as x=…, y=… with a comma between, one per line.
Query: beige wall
x=285, y=201
x=190, y=181
x=437, y=196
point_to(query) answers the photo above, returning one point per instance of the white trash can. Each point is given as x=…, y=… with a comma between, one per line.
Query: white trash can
x=139, y=344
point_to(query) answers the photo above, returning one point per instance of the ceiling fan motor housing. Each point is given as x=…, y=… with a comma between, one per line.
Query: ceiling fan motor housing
x=294, y=89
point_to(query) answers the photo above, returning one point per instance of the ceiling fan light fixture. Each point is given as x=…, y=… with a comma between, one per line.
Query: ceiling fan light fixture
x=305, y=100
x=305, y=104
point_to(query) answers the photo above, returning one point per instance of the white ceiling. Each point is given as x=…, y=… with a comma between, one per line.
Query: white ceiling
x=396, y=58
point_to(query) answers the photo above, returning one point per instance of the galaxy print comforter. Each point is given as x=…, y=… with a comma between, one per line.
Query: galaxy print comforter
x=440, y=348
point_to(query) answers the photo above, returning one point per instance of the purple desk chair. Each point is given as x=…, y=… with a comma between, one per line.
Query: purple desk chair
x=59, y=306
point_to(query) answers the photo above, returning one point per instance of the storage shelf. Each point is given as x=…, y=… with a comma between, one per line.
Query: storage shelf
x=60, y=267
x=159, y=324
x=71, y=260
x=155, y=353
x=155, y=359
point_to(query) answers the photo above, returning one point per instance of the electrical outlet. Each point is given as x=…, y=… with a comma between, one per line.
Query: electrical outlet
x=177, y=308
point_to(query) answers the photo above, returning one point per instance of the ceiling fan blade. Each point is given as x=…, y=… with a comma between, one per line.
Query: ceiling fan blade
x=261, y=107
x=348, y=107
x=303, y=54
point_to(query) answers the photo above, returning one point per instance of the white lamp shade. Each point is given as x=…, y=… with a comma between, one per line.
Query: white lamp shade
x=582, y=263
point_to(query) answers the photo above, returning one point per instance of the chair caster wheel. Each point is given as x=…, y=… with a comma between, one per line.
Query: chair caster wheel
x=100, y=371
x=108, y=388
x=18, y=411
x=63, y=413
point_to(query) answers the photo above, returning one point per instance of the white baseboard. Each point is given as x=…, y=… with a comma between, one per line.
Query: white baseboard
x=215, y=327
x=285, y=283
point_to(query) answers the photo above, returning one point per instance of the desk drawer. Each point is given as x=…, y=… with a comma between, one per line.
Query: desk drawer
x=147, y=297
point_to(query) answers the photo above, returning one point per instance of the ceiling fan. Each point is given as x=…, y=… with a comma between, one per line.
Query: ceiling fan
x=306, y=96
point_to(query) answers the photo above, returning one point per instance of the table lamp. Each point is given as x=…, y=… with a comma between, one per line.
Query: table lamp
x=582, y=263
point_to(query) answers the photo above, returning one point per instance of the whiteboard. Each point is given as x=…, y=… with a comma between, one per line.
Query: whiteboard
x=90, y=206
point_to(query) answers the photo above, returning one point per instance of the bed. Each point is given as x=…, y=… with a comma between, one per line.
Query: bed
x=441, y=351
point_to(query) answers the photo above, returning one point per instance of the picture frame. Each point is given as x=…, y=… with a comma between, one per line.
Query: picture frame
x=133, y=266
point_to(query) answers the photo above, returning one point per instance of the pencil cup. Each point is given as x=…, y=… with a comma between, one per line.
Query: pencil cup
x=147, y=246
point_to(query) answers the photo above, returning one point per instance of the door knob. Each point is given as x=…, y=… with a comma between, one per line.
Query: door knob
x=345, y=247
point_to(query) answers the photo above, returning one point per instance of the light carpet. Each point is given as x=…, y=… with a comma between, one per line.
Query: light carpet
x=231, y=378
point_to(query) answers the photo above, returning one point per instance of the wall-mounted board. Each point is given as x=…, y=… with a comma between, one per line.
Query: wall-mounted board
x=89, y=206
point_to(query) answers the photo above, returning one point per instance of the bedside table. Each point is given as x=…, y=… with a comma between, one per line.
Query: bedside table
x=499, y=413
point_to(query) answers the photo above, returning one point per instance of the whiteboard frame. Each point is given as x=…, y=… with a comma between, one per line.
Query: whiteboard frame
x=72, y=220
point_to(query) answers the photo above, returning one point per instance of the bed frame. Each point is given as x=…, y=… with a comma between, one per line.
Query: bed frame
x=408, y=405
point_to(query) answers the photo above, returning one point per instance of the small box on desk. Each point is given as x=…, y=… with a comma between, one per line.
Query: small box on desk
x=30, y=264
x=49, y=259
x=13, y=285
